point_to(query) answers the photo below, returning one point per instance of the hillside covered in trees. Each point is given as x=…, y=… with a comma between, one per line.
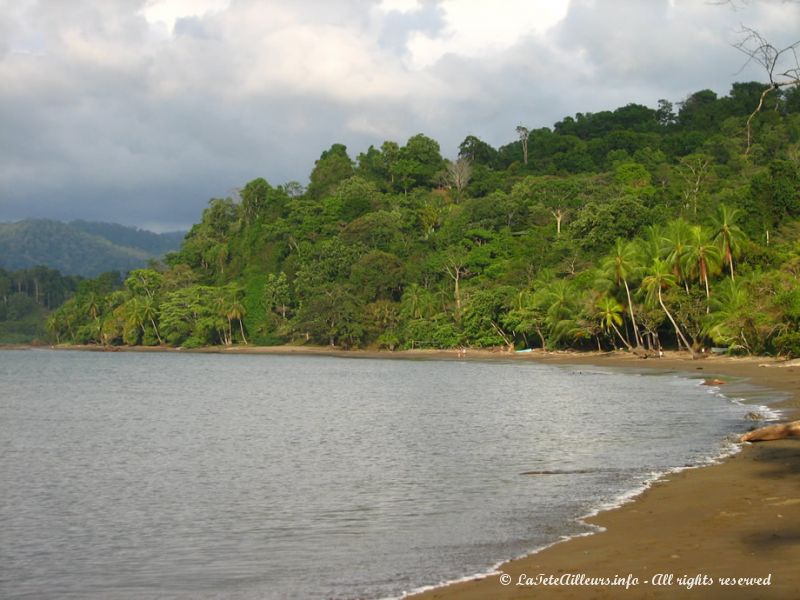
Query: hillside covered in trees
x=637, y=227
x=81, y=247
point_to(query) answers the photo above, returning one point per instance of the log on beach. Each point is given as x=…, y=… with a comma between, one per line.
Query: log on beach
x=773, y=432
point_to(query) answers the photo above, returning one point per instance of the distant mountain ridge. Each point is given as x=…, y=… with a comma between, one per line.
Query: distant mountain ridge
x=81, y=247
x=157, y=244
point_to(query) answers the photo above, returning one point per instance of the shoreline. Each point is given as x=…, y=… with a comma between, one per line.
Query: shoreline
x=736, y=517
x=739, y=517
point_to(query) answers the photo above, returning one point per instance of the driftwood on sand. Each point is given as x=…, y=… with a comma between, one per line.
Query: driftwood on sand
x=773, y=432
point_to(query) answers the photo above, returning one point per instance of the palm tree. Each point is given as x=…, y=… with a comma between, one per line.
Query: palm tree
x=133, y=315
x=661, y=277
x=413, y=301
x=725, y=324
x=560, y=309
x=560, y=301
x=675, y=243
x=221, y=303
x=528, y=316
x=149, y=311
x=651, y=245
x=728, y=235
x=93, y=305
x=54, y=325
x=621, y=264
x=235, y=311
x=702, y=258
x=610, y=313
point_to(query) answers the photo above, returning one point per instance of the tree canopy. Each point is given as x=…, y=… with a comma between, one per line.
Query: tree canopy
x=636, y=228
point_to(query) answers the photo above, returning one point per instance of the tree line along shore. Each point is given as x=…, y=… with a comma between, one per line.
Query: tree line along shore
x=639, y=228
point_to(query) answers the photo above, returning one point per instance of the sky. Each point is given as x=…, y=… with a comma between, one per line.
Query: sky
x=140, y=111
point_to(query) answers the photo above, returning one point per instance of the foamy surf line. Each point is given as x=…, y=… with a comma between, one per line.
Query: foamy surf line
x=621, y=500
x=730, y=446
x=760, y=412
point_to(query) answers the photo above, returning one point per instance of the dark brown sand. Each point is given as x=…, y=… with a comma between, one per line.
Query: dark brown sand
x=736, y=519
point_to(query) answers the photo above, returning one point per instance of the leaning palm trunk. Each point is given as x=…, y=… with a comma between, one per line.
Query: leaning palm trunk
x=241, y=329
x=508, y=341
x=158, y=337
x=541, y=337
x=729, y=260
x=624, y=341
x=633, y=319
x=674, y=324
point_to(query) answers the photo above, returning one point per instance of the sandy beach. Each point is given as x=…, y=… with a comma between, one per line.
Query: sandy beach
x=730, y=530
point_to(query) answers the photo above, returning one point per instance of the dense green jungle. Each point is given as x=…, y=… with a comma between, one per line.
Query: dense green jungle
x=638, y=228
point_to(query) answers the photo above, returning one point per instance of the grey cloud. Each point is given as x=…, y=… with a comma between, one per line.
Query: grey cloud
x=398, y=26
x=149, y=129
x=192, y=27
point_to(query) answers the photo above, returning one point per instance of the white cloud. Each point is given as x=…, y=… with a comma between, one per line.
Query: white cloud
x=399, y=5
x=164, y=13
x=476, y=28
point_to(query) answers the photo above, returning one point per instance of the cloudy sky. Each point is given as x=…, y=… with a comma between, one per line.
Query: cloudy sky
x=139, y=111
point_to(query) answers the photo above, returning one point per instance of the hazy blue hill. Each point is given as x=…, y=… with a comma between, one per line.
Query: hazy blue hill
x=75, y=251
x=156, y=244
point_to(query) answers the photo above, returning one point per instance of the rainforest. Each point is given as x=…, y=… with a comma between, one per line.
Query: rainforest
x=639, y=228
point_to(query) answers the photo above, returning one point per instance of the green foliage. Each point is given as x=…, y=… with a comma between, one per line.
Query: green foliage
x=788, y=344
x=482, y=323
x=632, y=227
x=333, y=166
x=599, y=224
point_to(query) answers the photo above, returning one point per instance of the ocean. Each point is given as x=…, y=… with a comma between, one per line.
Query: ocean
x=178, y=475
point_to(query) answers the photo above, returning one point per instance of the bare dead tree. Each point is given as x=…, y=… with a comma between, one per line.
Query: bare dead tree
x=782, y=67
x=557, y=202
x=559, y=214
x=693, y=170
x=458, y=174
x=524, y=133
x=455, y=265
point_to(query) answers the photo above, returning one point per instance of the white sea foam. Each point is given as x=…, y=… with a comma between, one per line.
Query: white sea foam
x=767, y=412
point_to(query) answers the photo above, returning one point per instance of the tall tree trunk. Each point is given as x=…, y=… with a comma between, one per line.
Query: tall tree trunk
x=633, y=319
x=730, y=264
x=158, y=337
x=624, y=341
x=241, y=329
x=508, y=341
x=674, y=324
x=541, y=337
x=457, y=293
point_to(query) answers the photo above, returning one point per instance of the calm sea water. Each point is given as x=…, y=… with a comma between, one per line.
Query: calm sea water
x=218, y=476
